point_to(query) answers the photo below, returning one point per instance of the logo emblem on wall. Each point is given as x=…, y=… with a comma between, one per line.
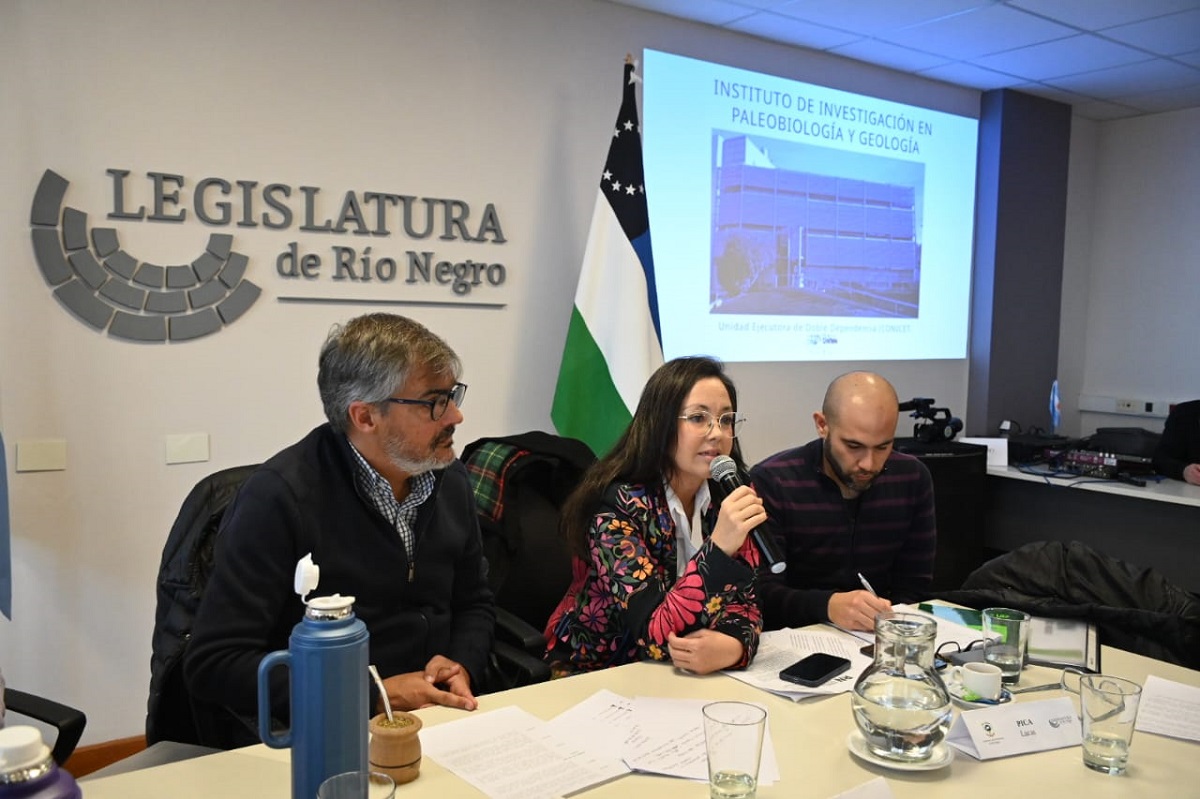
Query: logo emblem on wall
x=111, y=290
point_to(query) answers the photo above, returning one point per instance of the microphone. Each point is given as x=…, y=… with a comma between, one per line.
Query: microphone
x=725, y=472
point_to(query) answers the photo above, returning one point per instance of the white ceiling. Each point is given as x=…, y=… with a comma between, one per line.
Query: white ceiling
x=1108, y=59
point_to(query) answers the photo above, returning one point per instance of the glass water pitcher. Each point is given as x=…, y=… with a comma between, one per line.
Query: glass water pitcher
x=900, y=703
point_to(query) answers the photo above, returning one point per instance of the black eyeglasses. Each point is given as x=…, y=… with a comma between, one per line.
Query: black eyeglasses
x=438, y=405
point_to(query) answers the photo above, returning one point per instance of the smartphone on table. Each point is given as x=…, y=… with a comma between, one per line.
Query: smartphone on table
x=815, y=669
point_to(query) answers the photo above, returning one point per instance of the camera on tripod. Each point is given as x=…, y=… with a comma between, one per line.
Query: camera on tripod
x=933, y=424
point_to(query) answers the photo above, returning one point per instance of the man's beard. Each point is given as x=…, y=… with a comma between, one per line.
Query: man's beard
x=428, y=462
x=847, y=478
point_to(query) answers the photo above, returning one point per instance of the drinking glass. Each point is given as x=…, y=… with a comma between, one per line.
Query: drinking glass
x=733, y=736
x=357, y=785
x=1006, y=641
x=1108, y=706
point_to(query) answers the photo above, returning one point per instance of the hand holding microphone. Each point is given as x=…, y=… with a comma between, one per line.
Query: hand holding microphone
x=724, y=471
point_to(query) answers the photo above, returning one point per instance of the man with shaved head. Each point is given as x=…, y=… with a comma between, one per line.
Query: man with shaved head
x=848, y=512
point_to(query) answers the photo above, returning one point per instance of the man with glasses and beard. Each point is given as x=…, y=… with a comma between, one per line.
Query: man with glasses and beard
x=854, y=519
x=378, y=498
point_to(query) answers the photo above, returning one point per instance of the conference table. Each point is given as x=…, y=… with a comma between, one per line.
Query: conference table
x=809, y=737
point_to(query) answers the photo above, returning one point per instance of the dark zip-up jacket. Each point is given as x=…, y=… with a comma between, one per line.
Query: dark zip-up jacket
x=889, y=534
x=1134, y=608
x=304, y=500
x=1180, y=442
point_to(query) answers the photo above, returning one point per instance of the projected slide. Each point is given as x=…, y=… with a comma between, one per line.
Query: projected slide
x=792, y=222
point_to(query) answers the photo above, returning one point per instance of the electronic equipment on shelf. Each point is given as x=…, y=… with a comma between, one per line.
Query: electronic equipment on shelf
x=1106, y=465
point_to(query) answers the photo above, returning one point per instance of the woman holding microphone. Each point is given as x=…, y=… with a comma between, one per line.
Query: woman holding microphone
x=663, y=565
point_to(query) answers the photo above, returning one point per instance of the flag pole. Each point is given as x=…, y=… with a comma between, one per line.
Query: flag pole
x=613, y=340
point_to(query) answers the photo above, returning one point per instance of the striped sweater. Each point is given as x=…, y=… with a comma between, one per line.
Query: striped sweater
x=888, y=534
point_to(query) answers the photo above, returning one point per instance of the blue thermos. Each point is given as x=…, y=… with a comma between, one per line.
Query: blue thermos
x=327, y=655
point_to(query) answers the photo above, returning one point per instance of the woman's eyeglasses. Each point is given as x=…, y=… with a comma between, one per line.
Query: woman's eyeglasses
x=702, y=422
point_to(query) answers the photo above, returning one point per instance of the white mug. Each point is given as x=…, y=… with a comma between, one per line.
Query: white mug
x=981, y=679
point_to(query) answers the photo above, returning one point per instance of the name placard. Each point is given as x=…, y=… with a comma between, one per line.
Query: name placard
x=1016, y=729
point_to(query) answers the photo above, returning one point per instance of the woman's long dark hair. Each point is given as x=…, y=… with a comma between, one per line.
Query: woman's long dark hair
x=644, y=453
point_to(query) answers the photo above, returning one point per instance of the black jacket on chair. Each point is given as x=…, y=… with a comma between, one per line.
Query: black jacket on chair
x=186, y=563
x=520, y=484
x=1133, y=608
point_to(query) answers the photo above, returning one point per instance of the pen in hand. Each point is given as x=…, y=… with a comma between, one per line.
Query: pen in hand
x=866, y=585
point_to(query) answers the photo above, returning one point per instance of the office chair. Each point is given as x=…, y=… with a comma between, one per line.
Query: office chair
x=172, y=714
x=520, y=484
x=67, y=720
x=516, y=656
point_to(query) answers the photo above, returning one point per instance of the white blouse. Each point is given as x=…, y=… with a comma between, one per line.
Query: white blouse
x=689, y=533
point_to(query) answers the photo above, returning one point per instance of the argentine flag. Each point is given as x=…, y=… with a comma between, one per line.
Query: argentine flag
x=613, y=342
x=1055, y=407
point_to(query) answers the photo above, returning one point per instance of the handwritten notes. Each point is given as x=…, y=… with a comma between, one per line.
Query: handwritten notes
x=1169, y=708
x=509, y=753
x=668, y=738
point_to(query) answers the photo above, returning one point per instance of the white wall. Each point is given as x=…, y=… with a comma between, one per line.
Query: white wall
x=510, y=103
x=1131, y=282
x=1077, y=253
